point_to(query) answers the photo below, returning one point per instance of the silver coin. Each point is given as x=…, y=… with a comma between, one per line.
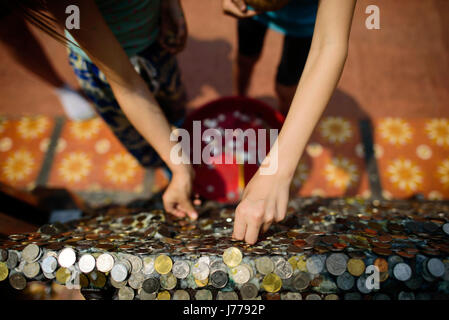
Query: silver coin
x=446, y=228
x=283, y=269
x=204, y=259
x=31, y=253
x=146, y=296
x=240, y=274
x=118, y=285
x=181, y=269
x=336, y=263
x=218, y=265
x=136, y=263
x=203, y=294
x=313, y=296
x=436, y=267
x=314, y=264
x=200, y=271
x=181, y=295
x=249, y=291
x=406, y=295
x=87, y=263
x=105, y=262
x=49, y=264
x=67, y=257
x=120, y=271
x=136, y=280
x=301, y=281
x=361, y=285
x=148, y=265
x=224, y=295
x=264, y=265
x=402, y=271
x=291, y=296
x=345, y=281
x=31, y=270
x=126, y=293
x=168, y=281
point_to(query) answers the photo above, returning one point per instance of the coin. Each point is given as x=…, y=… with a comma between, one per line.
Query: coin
x=86, y=263
x=345, y=281
x=227, y=295
x=168, y=281
x=272, y=283
x=118, y=285
x=200, y=271
x=126, y=293
x=3, y=255
x=13, y=259
x=163, y=264
x=67, y=257
x=31, y=270
x=163, y=295
x=240, y=274
x=356, y=267
x=150, y=285
x=381, y=264
x=203, y=294
x=17, y=281
x=264, y=265
x=63, y=275
x=283, y=269
x=3, y=271
x=402, y=271
x=49, y=264
x=219, y=279
x=181, y=269
x=120, y=271
x=314, y=264
x=313, y=296
x=406, y=295
x=249, y=291
x=445, y=228
x=146, y=296
x=181, y=295
x=136, y=280
x=336, y=263
x=148, y=265
x=291, y=296
x=105, y=262
x=31, y=253
x=97, y=279
x=301, y=281
x=331, y=297
x=362, y=285
x=202, y=283
x=232, y=257
x=435, y=267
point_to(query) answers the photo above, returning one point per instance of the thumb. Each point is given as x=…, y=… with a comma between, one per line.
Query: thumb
x=187, y=207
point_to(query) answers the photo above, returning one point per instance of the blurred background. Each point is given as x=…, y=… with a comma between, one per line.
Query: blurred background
x=395, y=88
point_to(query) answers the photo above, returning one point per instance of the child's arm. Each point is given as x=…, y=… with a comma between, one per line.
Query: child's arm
x=266, y=196
x=132, y=94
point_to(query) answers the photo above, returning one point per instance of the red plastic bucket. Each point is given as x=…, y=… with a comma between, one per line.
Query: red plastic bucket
x=224, y=182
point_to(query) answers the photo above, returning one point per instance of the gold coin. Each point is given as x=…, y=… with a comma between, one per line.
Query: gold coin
x=272, y=283
x=301, y=264
x=163, y=264
x=294, y=262
x=356, y=267
x=331, y=297
x=84, y=281
x=202, y=283
x=3, y=271
x=97, y=279
x=163, y=295
x=232, y=257
x=62, y=275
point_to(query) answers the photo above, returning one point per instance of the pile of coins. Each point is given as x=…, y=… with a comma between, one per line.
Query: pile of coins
x=325, y=249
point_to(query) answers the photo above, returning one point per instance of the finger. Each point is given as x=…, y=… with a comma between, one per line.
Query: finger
x=268, y=218
x=170, y=207
x=240, y=4
x=179, y=213
x=252, y=231
x=186, y=207
x=239, y=226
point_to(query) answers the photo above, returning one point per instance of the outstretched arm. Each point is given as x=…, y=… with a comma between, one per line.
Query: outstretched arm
x=132, y=94
x=265, y=198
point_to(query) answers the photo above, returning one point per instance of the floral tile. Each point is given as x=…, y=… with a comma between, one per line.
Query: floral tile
x=90, y=158
x=23, y=143
x=417, y=160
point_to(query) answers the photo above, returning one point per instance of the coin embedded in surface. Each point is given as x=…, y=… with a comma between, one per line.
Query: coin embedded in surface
x=356, y=267
x=49, y=264
x=86, y=263
x=163, y=264
x=3, y=271
x=181, y=295
x=232, y=257
x=336, y=263
x=31, y=253
x=272, y=283
x=17, y=281
x=402, y=271
x=105, y=262
x=249, y=291
x=181, y=269
x=150, y=285
x=126, y=293
x=67, y=257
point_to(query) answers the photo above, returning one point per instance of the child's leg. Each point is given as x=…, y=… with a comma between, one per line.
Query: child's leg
x=294, y=57
x=251, y=36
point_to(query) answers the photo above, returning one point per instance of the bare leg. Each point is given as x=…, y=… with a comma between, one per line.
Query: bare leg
x=285, y=96
x=242, y=71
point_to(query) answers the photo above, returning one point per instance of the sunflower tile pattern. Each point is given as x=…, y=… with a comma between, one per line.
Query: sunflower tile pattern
x=23, y=144
x=413, y=156
x=89, y=158
x=333, y=164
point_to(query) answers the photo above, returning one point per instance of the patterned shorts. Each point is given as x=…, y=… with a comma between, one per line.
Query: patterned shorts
x=160, y=71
